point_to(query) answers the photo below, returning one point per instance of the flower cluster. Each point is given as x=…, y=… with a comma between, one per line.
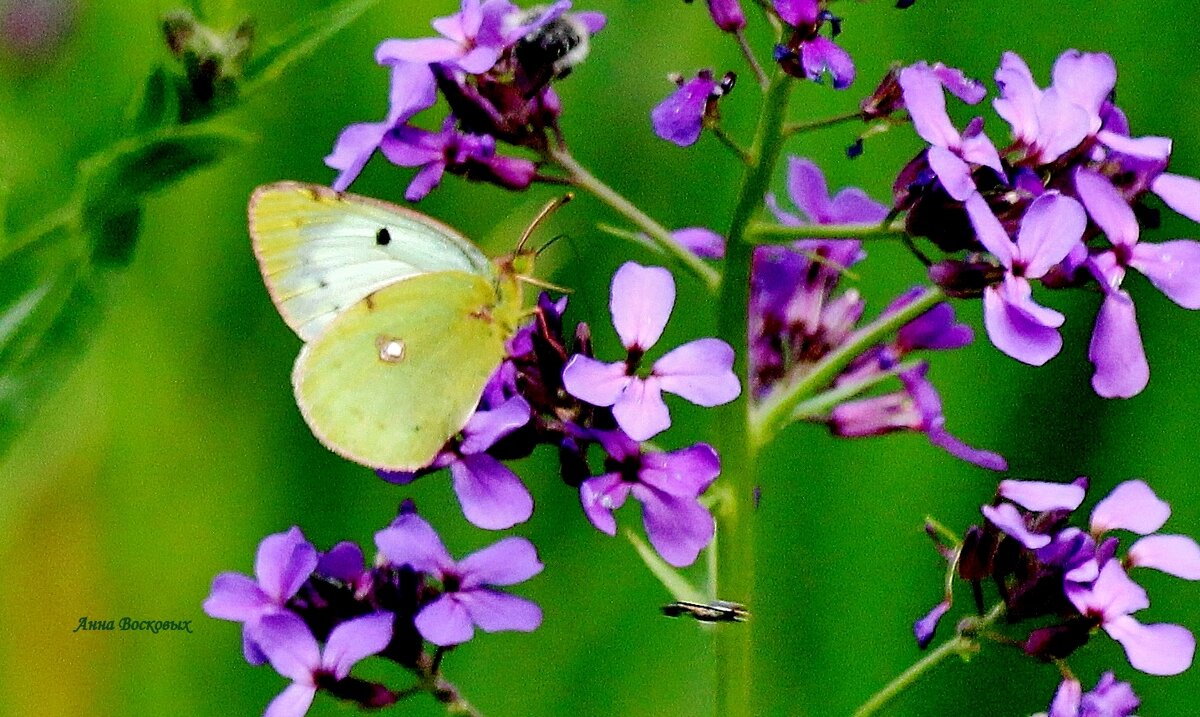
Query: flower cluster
x=1071, y=175
x=493, y=63
x=1069, y=582
x=414, y=593
x=546, y=393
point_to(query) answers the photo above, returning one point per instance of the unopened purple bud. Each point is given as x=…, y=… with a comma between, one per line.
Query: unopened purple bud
x=727, y=14
x=924, y=628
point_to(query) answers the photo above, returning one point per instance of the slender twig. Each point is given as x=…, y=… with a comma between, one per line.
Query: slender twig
x=767, y=233
x=822, y=403
x=793, y=128
x=724, y=138
x=586, y=181
x=755, y=66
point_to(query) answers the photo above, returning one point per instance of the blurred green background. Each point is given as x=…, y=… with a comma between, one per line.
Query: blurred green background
x=173, y=445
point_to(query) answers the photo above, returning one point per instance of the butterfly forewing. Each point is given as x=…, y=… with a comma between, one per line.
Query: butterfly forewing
x=399, y=372
x=320, y=251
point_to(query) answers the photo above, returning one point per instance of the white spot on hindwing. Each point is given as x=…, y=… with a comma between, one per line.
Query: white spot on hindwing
x=391, y=349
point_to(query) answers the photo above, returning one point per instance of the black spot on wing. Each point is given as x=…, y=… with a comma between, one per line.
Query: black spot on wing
x=383, y=237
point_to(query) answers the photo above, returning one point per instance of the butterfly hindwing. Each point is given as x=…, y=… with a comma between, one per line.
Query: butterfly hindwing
x=321, y=251
x=402, y=370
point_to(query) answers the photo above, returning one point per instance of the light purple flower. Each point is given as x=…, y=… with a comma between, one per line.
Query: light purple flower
x=468, y=599
x=436, y=152
x=1173, y=267
x=917, y=408
x=809, y=192
x=1134, y=506
x=680, y=117
x=1180, y=193
x=295, y=654
x=471, y=40
x=1109, y=698
x=701, y=241
x=1158, y=649
x=283, y=562
x=951, y=153
x=491, y=495
x=667, y=485
x=413, y=89
x=1052, y=226
x=700, y=371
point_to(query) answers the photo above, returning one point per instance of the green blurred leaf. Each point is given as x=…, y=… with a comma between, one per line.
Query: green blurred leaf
x=157, y=105
x=302, y=40
x=117, y=181
x=676, y=584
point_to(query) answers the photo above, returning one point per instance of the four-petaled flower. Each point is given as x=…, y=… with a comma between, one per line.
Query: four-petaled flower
x=467, y=599
x=700, y=371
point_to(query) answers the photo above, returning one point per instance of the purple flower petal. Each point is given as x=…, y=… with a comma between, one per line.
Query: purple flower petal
x=703, y=242
x=1111, y=596
x=797, y=12
x=978, y=149
x=935, y=329
x=640, y=411
x=1131, y=506
x=939, y=437
x=853, y=205
x=343, y=561
x=1067, y=699
x=820, y=55
x=1040, y=496
x=1011, y=522
x=597, y=383
x=1107, y=207
x=294, y=701
x=593, y=21
x=1180, y=193
x=485, y=428
x=990, y=231
x=1116, y=349
x=284, y=561
x=808, y=191
x=422, y=51
x=967, y=89
x=642, y=299
x=602, y=495
x=494, y=611
x=289, y=645
x=924, y=628
x=1173, y=267
x=1052, y=226
x=1152, y=148
x=684, y=473
x=678, y=528
x=491, y=495
x=412, y=541
x=425, y=181
x=1062, y=126
x=680, y=117
x=1012, y=330
x=236, y=597
x=352, y=150
x=1176, y=555
x=1085, y=79
x=506, y=562
x=926, y=103
x=1019, y=98
x=700, y=371
x=1110, y=698
x=353, y=640
x=444, y=622
x=1160, y=649
x=952, y=172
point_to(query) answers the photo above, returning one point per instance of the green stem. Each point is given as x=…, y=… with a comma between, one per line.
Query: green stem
x=735, y=524
x=586, y=181
x=776, y=411
x=801, y=127
x=822, y=403
x=963, y=644
x=766, y=233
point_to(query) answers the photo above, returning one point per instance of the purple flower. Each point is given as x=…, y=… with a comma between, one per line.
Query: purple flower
x=667, y=485
x=1180, y=193
x=467, y=599
x=1052, y=226
x=1173, y=267
x=807, y=53
x=1159, y=649
x=283, y=562
x=491, y=495
x=473, y=39
x=437, y=152
x=809, y=192
x=701, y=241
x=1109, y=698
x=917, y=408
x=294, y=653
x=680, y=117
x=924, y=628
x=412, y=89
x=700, y=371
x=727, y=14
x=951, y=154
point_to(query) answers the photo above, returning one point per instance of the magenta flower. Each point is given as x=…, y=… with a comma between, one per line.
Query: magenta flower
x=680, y=117
x=727, y=14
x=1109, y=698
x=283, y=562
x=1173, y=267
x=807, y=53
x=491, y=495
x=700, y=371
x=436, y=152
x=668, y=485
x=295, y=654
x=1052, y=226
x=951, y=154
x=467, y=598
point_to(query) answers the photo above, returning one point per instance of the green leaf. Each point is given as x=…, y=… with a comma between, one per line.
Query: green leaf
x=679, y=586
x=157, y=105
x=117, y=181
x=302, y=40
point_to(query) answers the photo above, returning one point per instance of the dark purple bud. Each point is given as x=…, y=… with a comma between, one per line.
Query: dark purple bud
x=965, y=279
x=1058, y=641
x=887, y=97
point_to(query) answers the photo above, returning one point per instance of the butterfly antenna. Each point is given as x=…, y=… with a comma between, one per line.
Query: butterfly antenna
x=548, y=244
x=547, y=210
x=534, y=281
